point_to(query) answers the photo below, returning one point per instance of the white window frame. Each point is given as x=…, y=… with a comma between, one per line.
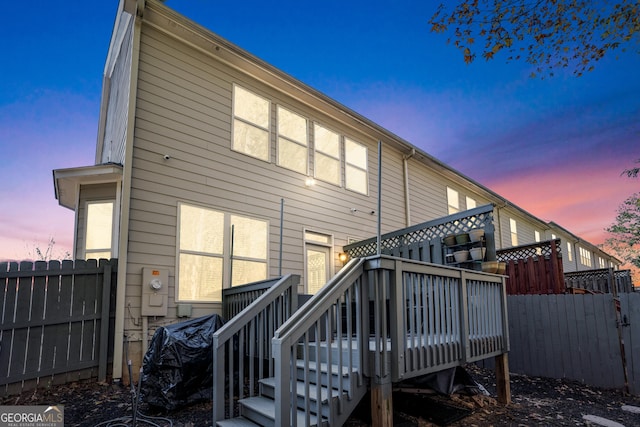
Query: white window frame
x=330, y=156
x=247, y=122
x=453, y=201
x=308, y=241
x=585, y=257
x=513, y=228
x=289, y=139
x=114, y=229
x=569, y=251
x=356, y=167
x=225, y=256
x=470, y=202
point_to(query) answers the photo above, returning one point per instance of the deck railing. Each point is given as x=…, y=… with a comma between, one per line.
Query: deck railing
x=330, y=329
x=237, y=298
x=424, y=318
x=242, y=347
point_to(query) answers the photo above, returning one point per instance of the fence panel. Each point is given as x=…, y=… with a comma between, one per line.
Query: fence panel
x=571, y=336
x=630, y=323
x=54, y=322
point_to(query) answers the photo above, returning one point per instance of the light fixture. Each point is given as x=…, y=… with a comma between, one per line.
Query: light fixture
x=343, y=257
x=309, y=182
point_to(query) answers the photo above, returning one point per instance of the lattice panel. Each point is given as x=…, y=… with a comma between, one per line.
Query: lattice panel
x=420, y=233
x=542, y=249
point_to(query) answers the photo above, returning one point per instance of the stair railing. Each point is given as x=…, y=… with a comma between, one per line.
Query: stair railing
x=332, y=324
x=242, y=347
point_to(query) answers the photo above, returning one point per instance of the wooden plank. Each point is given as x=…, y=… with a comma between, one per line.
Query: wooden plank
x=103, y=343
x=503, y=383
x=381, y=404
x=7, y=319
x=52, y=310
x=564, y=338
x=553, y=361
x=34, y=344
x=21, y=336
x=582, y=354
x=62, y=332
x=630, y=307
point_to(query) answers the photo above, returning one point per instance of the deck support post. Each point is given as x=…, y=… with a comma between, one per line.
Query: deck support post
x=503, y=384
x=381, y=403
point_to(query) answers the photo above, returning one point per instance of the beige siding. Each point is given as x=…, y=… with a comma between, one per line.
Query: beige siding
x=113, y=146
x=184, y=111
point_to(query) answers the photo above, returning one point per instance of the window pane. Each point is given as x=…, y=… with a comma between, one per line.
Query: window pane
x=471, y=203
x=310, y=236
x=327, y=141
x=250, y=238
x=201, y=230
x=248, y=271
x=356, y=179
x=250, y=140
x=327, y=169
x=355, y=154
x=292, y=126
x=316, y=270
x=200, y=278
x=250, y=107
x=99, y=225
x=453, y=201
x=292, y=155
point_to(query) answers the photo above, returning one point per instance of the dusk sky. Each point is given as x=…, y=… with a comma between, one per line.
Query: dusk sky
x=554, y=147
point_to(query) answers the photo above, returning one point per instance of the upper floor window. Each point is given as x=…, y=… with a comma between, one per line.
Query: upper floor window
x=553, y=236
x=355, y=158
x=513, y=227
x=327, y=155
x=471, y=203
x=99, y=230
x=453, y=201
x=569, y=251
x=601, y=262
x=292, y=141
x=585, y=257
x=536, y=234
x=250, y=123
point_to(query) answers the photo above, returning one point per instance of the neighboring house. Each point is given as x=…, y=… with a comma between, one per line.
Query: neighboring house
x=204, y=150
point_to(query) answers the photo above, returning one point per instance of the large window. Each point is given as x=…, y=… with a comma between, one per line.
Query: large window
x=250, y=123
x=585, y=257
x=292, y=141
x=453, y=201
x=217, y=249
x=513, y=227
x=355, y=158
x=99, y=230
x=327, y=155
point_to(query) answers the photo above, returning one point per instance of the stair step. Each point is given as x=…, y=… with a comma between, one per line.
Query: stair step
x=267, y=389
x=236, y=422
x=337, y=374
x=262, y=411
x=335, y=351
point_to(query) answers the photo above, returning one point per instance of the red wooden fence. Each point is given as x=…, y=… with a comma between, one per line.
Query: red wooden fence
x=535, y=269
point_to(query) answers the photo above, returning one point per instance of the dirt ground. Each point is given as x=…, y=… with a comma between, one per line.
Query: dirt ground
x=535, y=402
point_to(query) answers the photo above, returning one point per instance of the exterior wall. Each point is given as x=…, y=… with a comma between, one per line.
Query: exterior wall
x=89, y=193
x=183, y=110
x=115, y=132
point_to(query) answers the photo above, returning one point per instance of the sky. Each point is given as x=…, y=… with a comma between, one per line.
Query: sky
x=556, y=147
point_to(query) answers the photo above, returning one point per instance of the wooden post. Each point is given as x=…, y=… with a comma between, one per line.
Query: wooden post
x=381, y=404
x=503, y=384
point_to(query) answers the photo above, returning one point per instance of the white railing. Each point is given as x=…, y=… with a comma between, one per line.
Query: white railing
x=327, y=336
x=242, y=347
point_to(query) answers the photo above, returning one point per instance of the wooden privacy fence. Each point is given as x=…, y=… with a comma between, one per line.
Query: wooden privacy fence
x=579, y=337
x=534, y=269
x=55, y=322
x=603, y=280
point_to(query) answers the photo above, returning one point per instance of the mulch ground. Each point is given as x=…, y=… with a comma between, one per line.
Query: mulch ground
x=535, y=402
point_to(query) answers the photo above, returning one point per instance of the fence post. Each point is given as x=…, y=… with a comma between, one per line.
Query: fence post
x=104, y=321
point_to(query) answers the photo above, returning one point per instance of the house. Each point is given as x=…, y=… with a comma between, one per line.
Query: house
x=214, y=169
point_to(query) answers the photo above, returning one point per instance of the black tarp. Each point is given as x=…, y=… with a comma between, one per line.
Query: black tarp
x=177, y=369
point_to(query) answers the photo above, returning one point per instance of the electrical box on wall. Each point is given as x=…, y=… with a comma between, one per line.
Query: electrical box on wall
x=155, y=291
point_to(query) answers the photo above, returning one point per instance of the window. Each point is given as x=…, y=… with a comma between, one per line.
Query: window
x=355, y=158
x=453, y=201
x=553, y=236
x=585, y=257
x=327, y=155
x=249, y=256
x=514, y=231
x=213, y=246
x=537, y=235
x=601, y=262
x=569, y=251
x=292, y=141
x=471, y=203
x=317, y=260
x=250, y=124
x=99, y=230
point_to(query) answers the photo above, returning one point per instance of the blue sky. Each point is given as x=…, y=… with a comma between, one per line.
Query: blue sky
x=555, y=147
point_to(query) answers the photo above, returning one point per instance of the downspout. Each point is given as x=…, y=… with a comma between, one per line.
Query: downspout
x=407, y=203
x=118, y=342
